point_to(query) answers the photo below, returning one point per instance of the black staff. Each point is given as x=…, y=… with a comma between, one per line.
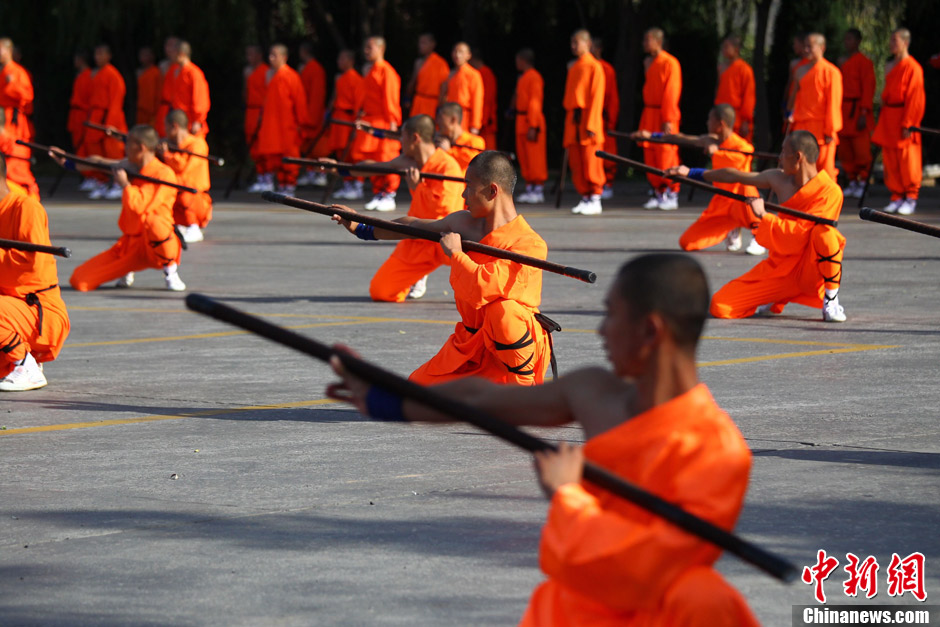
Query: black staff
x=106, y=167
x=715, y=190
x=116, y=134
x=751, y=553
x=873, y=215
x=686, y=144
x=29, y=247
x=923, y=130
x=369, y=168
x=418, y=233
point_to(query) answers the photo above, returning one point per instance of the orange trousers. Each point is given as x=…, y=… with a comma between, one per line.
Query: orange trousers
x=411, y=260
x=192, y=209
x=286, y=172
x=827, y=158
x=384, y=183
x=20, y=333
x=587, y=170
x=855, y=156
x=661, y=156
x=720, y=217
x=129, y=254
x=610, y=167
x=510, y=348
x=820, y=266
x=489, y=138
x=903, y=170
x=532, y=160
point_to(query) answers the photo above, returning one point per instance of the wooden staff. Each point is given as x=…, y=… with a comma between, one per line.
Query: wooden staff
x=560, y=185
x=871, y=175
x=8, y=157
x=369, y=168
x=923, y=130
x=106, y=167
x=29, y=247
x=686, y=144
x=116, y=134
x=432, y=236
x=384, y=133
x=771, y=564
x=334, y=177
x=715, y=190
x=873, y=215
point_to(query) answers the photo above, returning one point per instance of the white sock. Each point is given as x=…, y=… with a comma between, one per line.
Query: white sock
x=831, y=294
x=170, y=269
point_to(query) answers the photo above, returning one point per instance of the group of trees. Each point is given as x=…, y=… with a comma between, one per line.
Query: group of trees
x=48, y=32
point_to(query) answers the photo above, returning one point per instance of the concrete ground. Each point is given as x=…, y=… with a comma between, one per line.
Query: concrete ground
x=288, y=509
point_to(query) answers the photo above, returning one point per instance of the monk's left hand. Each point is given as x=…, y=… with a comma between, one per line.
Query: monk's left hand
x=120, y=178
x=677, y=170
x=905, y=133
x=558, y=468
x=197, y=126
x=745, y=128
x=412, y=177
x=757, y=206
x=450, y=242
x=349, y=389
x=667, y=128
x=828, y=139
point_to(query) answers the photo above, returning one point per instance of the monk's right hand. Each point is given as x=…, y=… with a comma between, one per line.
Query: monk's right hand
x=558, y=468
x=349, y=389
x=324, y=160
x=349, y=225
x=640, y=135
x=677, y=170
x=57, y=154
x=757, y=206
x=412, y=177
x=532, y=135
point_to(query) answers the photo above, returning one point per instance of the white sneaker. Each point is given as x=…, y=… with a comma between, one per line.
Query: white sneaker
x=114, y=192
x=608, y=192
x=907, y=207
x=418, y=289
x=125, y=281
x=754, y=248
x=850, y=190
x=305, y=179
x=372, y=204
x=26, y=376
x=593, y=206
x=99, y=191
x=192, y=233
x=764, y=310
x=526, y=196
x=894, y=205
x=265, y=183
x=538, y=195
x=351, y=190
x=173, y=281
x=290, y=190
x=654, y=201
x=320, y=179
x=832, y=311
x=734, y=241
x=88, y=185
x=669, y=202
x=578, y=208
x=386, y=202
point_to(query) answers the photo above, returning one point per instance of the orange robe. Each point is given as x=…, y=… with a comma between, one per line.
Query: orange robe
x=313, y=78
x=611, y=113
x=858, y=93
x=18, y=166
x=79, y=107
x=284, y=122
x=736, y=88
x=463, y=156
x=344, y=108
x=39, y=328
x=661, y=92
x=723, y=214
x=902, y=105
x=255, y=87
x=804, y=257
x=184, y=88
x=609, y=562
x=416, y=258
x=192, y=172
x=149, y=82
x=490, y=108
x=427, y=94
x=465, y=87
x=530, y=98
x=817, y=108
x=378, y=104
x=498, y=337
x=16, y=98
x=147, y=240
x=584, y=123
x=107, y=108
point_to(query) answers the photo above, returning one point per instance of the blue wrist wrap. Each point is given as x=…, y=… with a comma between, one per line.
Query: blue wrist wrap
x=384, y=405
x=366, y=232
x=697, y=173
x=656, y=135
x=70, y=165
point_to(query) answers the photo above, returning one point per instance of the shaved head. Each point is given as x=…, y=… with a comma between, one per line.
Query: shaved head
x=490, y=167
x=378, y=41
x=582, y=34
x=672, y=285
x=527, y=56
x=451, y=109
x=816, y=38
x=855, y=33
x=6, y=43
x=422, y=125
x=733, y=40
x=178, y=117
x=724, y=113
x=280, y=49
x=804, y=143
x=145, y=135
x=903, y=33
x=656, y=33
x=184, y=49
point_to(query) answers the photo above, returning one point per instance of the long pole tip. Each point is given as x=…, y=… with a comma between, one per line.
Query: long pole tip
x=272, y=196
x=200, y=303
x=865, y=213
x=66, y=252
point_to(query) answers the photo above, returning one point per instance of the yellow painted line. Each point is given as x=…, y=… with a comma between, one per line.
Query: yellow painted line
x=142, y=419
x=793, y=342
x=832, y=351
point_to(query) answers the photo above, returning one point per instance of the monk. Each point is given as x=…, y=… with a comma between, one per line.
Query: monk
x=191, y=212
x=17, y=157
x=313, y=78
x=348, y=84
x=647, y=419
x=499, y=336
x=185, y=88
x=464, y=85
x=256, y=72
x=723, y=218
x=79, y=107
x=16, y=92
x=611, y=114
x=285, y=121
x=462, y=145
x=661, y=92
x=378, y=104
x=149, y=87
x=107, y=108
x=170, y=49
x=805, y=261
x=584, y=124
x=33, y=319
x=527, y=108
x=490, y=127
x=902, y=106
x=736, y=87
x=430, y=71
x=798, y=61
x=817, y=105
x=146, y=220
x=858, y=85
x=404, y=275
